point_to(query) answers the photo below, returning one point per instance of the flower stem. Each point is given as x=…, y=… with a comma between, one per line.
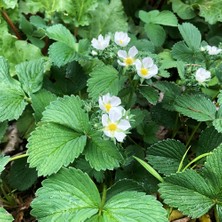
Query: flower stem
x=11, y=24
x=103, y=200
x=192, y=134
x=18, y=157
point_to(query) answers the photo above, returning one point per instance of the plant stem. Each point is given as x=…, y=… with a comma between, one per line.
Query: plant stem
x=192, y=134
x=18, y=157
x=103, y=200
x=196, y=159
x=11, y=24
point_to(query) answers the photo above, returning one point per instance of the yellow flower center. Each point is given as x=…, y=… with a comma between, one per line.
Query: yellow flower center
x=144, y=72
x=128, y=61
x=108, y=107
x=120, y=41
x=112, y=127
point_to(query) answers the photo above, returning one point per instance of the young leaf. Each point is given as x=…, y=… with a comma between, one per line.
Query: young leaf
x=61, y=34
x=103, y=80
x=30, y=75
x=68, y=195
x=68, y=111
x=20, y=176
x=188, y=192
x=150, y=94
x=52, y=146
x=12, y=100
x=5, y=216
x=166, y=155
x=40, y=100
x=195, y=106
x=102, y=154
x=191, y=35
x=133, y=206
x=3, y=162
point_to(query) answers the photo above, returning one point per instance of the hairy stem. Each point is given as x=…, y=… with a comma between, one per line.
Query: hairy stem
x=103, y=199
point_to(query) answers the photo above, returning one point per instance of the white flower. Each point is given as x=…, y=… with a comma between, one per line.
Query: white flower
x=213, y=50
x=108, y=102
x=202, y=75
x=127, y=58
x=121, y=39
x=114, y=126
x=101, y=43
x=146, y=68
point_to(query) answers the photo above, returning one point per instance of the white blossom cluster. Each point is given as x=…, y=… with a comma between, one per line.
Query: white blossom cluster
x=115, y=120
x=145, y=68
x=202, y=75
x=211, y=50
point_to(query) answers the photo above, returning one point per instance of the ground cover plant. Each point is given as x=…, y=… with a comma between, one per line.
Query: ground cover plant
x=110, y=111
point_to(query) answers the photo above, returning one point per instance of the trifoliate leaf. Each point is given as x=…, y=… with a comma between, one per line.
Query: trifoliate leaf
x=164, y=17
x=20, y=176
x=191, y=35
x=195, y=106
x=150, y=94
x=3, y=128
x=12, y=101
x=133, y=206
x=155, y=33
x=3, y=162
x=69, y=195
x=52, y=146
x=209, y=139
x=61, y=34
x=61, y=54
x=166, y=155
x=103, y=80
x=30, y=75
x=5, y=216
x=188, y=192
x=102, y=154
x=102, y=19
x=40, y=100
x=68, y=111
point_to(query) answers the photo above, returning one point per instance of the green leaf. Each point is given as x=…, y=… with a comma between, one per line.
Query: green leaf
x=12, y=102
x=61, y=34
x=20, y=176
x=5, y=216
x=102, y=154
x=166, y=155
x=195, y=106
x=3, y=128
x=4, y=71
x=179, y=189
x=164, y=17
x=52, y=146
x=3, y=162
x=40, y=100
x=150, y=94
x=69, y=195
x=8, y=4
x=209, y=139
x=68, y=111
x=183, y=10
x=133, y=206
x=217, y=123
x=30, y=75
x=103, y=80
x=219, y=98
x=155, y=33
x=101, y=19
x=61, y=54
x=191, y=35
x=211, y=11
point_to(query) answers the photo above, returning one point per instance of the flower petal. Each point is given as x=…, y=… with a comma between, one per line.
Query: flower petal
x=147, y=62
x=119, y=136
x=105, y=120
x=124, y=124
x=122, y=54
x=132, y=52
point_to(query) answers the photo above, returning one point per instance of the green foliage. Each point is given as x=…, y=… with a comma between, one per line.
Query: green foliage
x=85, y=204
x=3, y=128
x=195, y=106
x=5, y=216
x=204, y=188
x=103, y=80
x=3, y=162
